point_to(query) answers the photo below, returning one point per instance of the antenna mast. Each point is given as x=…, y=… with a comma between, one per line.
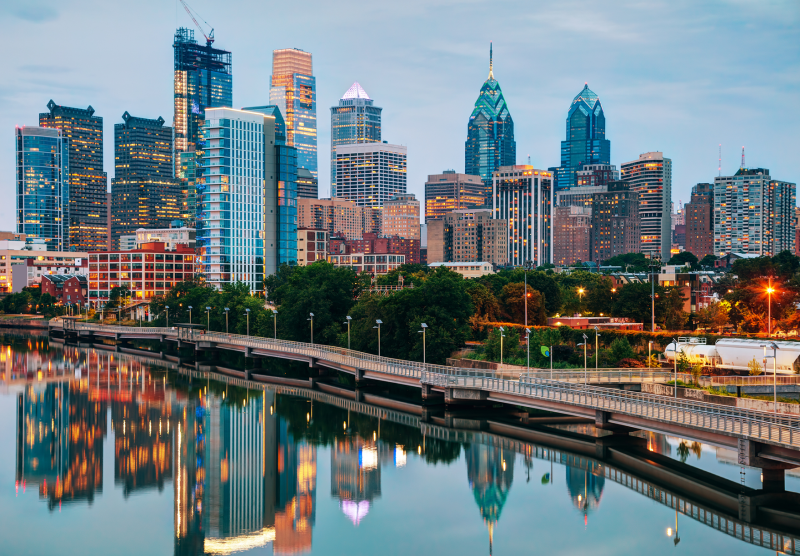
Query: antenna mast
x=719, y=170
x=742, y=156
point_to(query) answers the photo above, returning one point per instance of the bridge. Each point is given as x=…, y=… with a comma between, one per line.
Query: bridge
x=766, y=440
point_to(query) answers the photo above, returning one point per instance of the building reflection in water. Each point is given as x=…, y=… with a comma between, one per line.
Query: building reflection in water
x=295, y=512
x=490, y=471
x=585, y=489
x=356, y=473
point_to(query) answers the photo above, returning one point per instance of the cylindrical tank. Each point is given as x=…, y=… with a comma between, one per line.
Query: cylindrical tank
x=695, y=353
x=738, y=353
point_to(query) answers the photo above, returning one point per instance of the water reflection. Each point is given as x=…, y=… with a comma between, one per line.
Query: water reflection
x=243, y=464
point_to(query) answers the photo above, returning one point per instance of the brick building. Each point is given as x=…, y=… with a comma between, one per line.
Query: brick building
x=339, y=217
x=615, y=222
x=700, y=221
x=371, y=243
x=572, y=235
x=468, y=236
x=66, y=288
x=312, y=245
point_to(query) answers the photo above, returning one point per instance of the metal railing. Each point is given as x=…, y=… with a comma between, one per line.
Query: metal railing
x=752, y=424
x=762, y=380
x=609, y=376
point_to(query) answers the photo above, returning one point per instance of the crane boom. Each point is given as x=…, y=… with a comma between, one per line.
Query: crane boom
x=210, y=36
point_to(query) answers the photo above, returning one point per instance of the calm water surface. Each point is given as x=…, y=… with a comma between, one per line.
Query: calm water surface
x=113, y=454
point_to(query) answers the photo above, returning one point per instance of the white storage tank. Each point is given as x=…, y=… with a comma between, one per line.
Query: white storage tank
x=737, y=353
x=695, y=353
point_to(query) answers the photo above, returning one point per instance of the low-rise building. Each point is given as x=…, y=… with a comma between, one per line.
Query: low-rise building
x=148, y=272
x=584, y=323
x=171, y=237
x=66, y=288
x=371, y=243
x=312, y=245
x=370, y=263
x=30, y=273
x=18, y=251
x=468, y=270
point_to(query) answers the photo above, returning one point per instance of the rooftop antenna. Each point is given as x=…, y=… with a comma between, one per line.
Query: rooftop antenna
x=491, y=73
x=742, y=156
x=529, y=160
x=719, y=170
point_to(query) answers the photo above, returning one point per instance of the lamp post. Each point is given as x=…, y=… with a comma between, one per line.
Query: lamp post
x=167, y=308
x=580, y=297
x=526, y=267
x=424, y=327
x=774, y=357
x=653, y=297
x=585, y=371
x=226, y=319
x=501, y=343
x=649, y=354
x=347, y=322
x=769, y=308
x=208, y=315
x=528, y=346
x=190, y=314
x=596, y=347
x=311, y=318
x=676, y=366
x=379, y=322
x=275, y=323
x=247, y=312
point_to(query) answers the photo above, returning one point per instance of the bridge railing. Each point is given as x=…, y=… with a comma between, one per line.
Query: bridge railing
x=610, y=376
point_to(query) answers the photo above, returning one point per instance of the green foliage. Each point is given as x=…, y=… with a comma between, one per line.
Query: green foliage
x=513, y=300
x=510, y=345
x=621, y=349
x=539, y=281
x=441, y=301
x=31, y=301
x=487, y=307
x=630, y=262
x=708, y=261
x=116, y=298
x=684, y=258
x=755, y=367
x=571, y=285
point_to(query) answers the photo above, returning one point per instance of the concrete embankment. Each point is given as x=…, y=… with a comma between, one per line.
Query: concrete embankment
x=23, y=324
x=704, y=396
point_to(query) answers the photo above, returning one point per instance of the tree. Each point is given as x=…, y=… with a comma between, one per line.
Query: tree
x=675, y=316
x=714, y=316
x=540, y=281
x=708, y=261
x=630, y=262
x=600, y=299
x=684, y=258
x=755, y=367
x=633, y=302
x=487, y=308
x=621, y=349
x=510, y=344
x=513, y=303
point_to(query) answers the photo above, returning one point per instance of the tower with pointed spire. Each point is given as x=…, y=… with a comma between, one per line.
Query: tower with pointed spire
x=586, y=141
x=490, y=133
x=355, y=120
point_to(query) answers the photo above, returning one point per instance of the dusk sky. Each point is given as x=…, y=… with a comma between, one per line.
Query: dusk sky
x=674, y=76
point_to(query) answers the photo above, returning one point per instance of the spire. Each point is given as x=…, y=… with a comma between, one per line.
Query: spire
x=491, y=73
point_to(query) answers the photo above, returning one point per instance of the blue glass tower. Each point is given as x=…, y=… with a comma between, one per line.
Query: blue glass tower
x=490, y=133
x=586, y=138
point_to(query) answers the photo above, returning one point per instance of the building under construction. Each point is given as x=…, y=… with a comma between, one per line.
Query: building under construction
x=202, y=80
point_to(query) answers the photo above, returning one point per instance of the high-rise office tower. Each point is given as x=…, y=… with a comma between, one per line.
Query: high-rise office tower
x=467, y=236
x=369, y=174
x=586, y=143
x=651, y=177
x=307, y=184
x=87, y=180
x=401, y=217
x=572, y=234
x=449, y=191
x=490, y=133
x=42, y=176
x=294, y=91
x=355, y=120
x=753, y=213
x=699, y=214
x=523, y=196
x=203, y=80
x=144, y=193
x=615, y=222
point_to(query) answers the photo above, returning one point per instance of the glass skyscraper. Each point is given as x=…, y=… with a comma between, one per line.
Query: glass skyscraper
x=42, y=175
x=294, y=92
x=88, y=183
x=202, y=80
x=490, y=134
x=355, y=120
x=144, y=193
x=586, y=139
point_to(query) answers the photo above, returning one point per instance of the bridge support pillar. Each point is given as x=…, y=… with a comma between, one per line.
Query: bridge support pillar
x=463, y=396
x=430, y=396
x=602, y=420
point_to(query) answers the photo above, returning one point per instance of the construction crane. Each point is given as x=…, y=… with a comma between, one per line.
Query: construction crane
x=210, y=36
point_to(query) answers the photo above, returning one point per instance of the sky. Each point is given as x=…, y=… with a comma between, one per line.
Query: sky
x=676, y=76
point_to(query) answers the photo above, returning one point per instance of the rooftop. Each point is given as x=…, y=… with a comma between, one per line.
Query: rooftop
x=355, y=91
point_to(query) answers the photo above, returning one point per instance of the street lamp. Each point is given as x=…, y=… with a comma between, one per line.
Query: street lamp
x=247, y=312
x=501, y=343
x=190, y=314
x=653, y=295
x=423, y=326
x=526, y=267
x=580, y=296
x=311, y=318
x=770, y=291
x=585, y=371
x=208, y=314
x=676, y=366
x=167, y=308
x=528, y=346
x=347, y=322
x=596, y=347
x=226, y=319
x=774, y=357
x=275, y=322
x=379, y=322
x=649, y=354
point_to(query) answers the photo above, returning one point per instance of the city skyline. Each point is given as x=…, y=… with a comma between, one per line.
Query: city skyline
x=697, y=118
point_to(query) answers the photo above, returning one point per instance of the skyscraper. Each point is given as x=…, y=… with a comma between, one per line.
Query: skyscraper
x=572, y=232
x=490, y=133
x=449, y=191
x=307, y=184
x=369, y=174
x=586, y=142
x=651, y=177
x=144, y=193
x=401, y=217
x=753, y=213
x=615, y=222
x=294, y=91
x=202, y=80
x=355, y=120
x=700, y=221
x=523, y=196
x=87, y=180
x=42, y=176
